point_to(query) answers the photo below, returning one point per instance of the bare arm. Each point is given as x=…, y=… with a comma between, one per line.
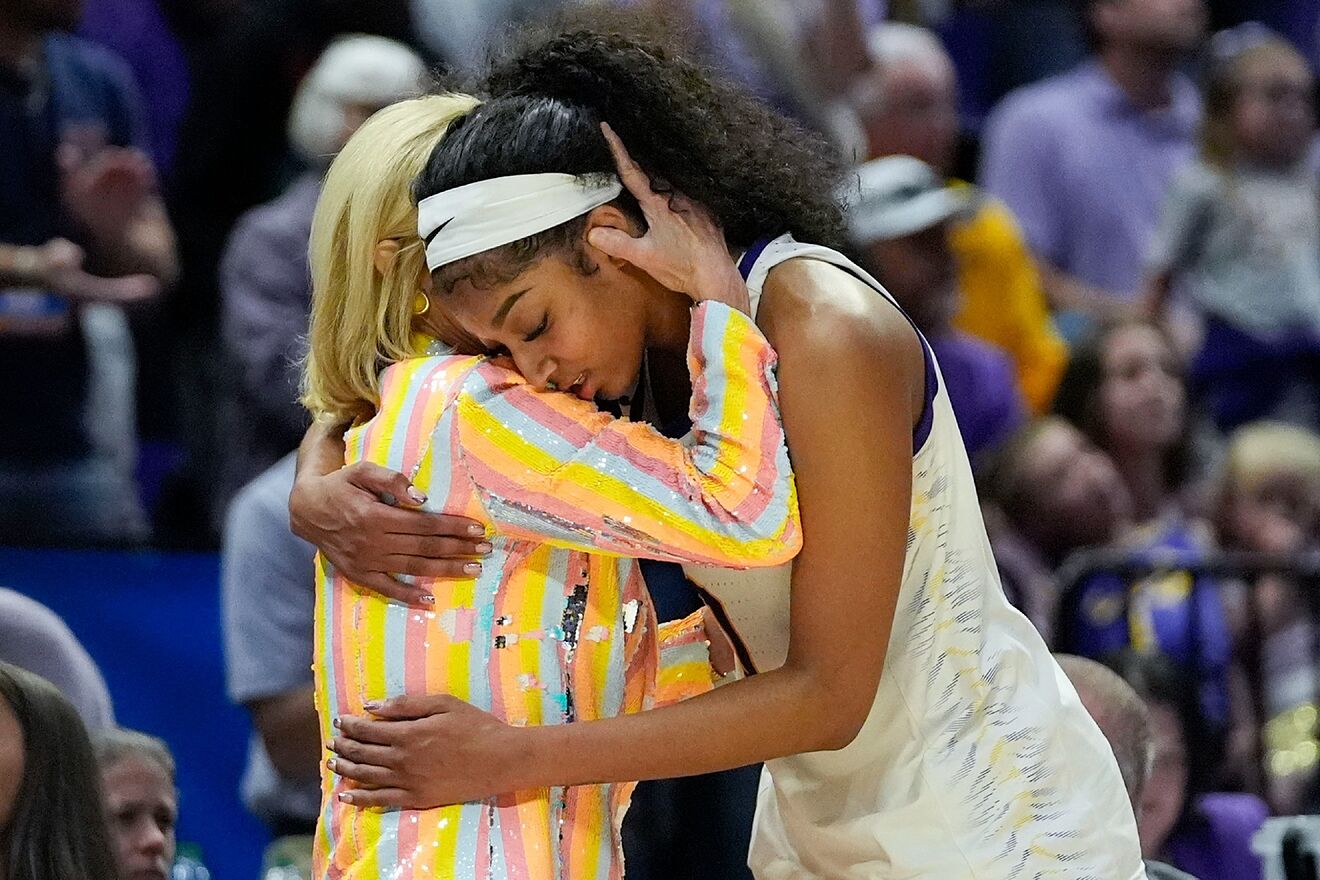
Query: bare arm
x=1069, y=293
x=291, y=732
x=345, y=512
x=57, y=267
x=854, y=478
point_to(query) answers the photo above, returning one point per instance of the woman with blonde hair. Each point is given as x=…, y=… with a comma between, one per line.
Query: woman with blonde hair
x=556, y=626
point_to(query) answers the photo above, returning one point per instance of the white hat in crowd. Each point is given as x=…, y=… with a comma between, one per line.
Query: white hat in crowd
x=363, y=70
x=898, y=196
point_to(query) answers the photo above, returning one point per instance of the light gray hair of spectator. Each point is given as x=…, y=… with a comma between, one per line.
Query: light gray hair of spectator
x=116, y=744
x=896, y=43
x=362, y=70
x=1120, y=714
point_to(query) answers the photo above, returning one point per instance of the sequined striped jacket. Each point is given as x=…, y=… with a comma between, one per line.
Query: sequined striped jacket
x=558, y=627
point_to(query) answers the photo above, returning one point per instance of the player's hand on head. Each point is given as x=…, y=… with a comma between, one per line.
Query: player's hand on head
x=683, y=247
x=367, y=522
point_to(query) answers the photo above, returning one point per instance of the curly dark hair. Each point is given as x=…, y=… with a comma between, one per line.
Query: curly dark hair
x=759, y=173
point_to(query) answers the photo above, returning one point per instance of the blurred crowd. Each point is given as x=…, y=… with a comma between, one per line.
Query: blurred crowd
x=1104, y=215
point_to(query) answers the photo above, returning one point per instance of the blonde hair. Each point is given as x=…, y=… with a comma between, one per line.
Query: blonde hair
x=1223, y=90
x=1261, y=450
x=361, y=318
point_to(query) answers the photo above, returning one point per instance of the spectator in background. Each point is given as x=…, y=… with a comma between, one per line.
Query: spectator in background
x=268, y=595
x=1049, y=492
x=265, y=282
x=1180, y=821
x=234, y=154
x=1241, y=235
x=1084, y=159
x=899, y=223
x=141, y=802
x=34, y=638
x=52, y=826
x=82, y=230
x=1269, y=502
x=907, y=105
x=1124, y=388
x=138, y=32
x=1125, y=721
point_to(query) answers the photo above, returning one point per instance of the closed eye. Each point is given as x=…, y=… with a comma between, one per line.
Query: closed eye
x=540, y=328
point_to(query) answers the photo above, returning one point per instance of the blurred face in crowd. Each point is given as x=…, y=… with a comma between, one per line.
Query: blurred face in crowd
x=1076, y=497
x=1166, y=788
x=141, y=807
x=909, y=107
x=920, y=271
x=1142, y=400
x=1273, y=116
x=42, y=15
x=11, y=768
x=1277, y=513
x=1162, y=26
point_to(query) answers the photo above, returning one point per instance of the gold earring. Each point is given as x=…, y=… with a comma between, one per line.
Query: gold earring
x=422, y=304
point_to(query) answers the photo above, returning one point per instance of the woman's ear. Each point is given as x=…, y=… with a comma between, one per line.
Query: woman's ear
x=386, y=251
x=613, y=230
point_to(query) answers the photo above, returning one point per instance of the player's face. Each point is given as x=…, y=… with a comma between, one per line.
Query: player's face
x=564, y=329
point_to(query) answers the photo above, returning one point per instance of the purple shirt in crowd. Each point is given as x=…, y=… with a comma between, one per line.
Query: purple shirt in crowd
x=1085, y=170
x=982, y=389
x=266, y=293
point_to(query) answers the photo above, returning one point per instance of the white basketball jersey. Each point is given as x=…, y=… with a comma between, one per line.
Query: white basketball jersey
x=977, y=759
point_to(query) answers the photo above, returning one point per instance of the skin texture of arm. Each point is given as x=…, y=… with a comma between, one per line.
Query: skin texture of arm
x=290, y=731
x=854, y=479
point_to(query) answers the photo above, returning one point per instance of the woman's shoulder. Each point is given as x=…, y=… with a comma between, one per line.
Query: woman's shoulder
x=822, y=306
x=413, y=382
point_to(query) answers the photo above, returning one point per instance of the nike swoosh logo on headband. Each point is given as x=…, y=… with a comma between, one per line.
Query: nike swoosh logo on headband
x=436, y=231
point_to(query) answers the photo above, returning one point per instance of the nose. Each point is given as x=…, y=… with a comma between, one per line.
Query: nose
x=150, y=838
x=537, y=368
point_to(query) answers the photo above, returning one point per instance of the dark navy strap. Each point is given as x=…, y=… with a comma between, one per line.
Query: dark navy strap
x=749, y=259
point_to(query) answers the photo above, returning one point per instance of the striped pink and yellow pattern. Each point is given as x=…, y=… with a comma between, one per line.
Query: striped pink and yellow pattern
x=559, y=626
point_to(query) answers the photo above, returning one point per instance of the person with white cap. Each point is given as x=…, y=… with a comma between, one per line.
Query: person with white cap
x=899, y=218
x=265, y=291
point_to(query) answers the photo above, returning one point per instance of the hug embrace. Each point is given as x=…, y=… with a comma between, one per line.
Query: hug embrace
x=495, y=279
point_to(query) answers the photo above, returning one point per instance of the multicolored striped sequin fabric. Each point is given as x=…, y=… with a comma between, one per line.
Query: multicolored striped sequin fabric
x=558, y=627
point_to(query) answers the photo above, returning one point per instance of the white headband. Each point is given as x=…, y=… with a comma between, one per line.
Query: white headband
x=471, y=219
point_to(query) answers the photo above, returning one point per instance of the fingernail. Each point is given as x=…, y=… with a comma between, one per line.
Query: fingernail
x=416, y=495
x=484, y=548
x=335, y=723
x=372, y=706
x=330, y=765
x=472, y=568
x=427, y=598
x=346, y=797
x=476, y=530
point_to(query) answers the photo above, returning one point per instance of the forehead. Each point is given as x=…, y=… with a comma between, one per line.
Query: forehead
x=1134, y=340
x=479, y=306
x=1275, y=63
x=134, y=778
